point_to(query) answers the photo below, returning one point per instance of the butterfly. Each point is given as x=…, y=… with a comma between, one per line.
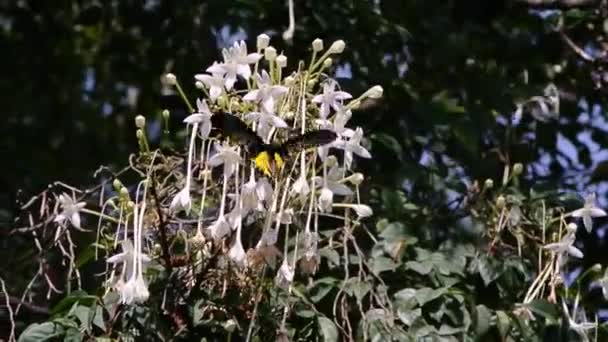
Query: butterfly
x=267, y=156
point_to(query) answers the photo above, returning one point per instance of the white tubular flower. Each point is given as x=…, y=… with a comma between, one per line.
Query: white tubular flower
x=580, y=328
x=226, y=155
x=266, y=94
x=310, y=260
x=236, y=62
x=588, y=211
x=237, y=252
x=326, y=199
x=339, y=127
x=269, y=238
x=70, y=210
x=249, y=195
x=353, y=145
x=300, y=186
x=215, y=82
x=284, y=275
x=334, y=181
x=202, y=117
x=330, y=98
x=219, y=228
x=135, y=290
x=565, y=247
x=264, y=190
x=266, y=121
x=126, y=258
x=285, y=217
x=181, y=200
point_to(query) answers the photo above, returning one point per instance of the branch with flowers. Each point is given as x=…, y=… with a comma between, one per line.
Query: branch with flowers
x=212, y=230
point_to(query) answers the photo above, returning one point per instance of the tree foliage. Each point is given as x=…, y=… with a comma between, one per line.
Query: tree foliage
x=487, y=139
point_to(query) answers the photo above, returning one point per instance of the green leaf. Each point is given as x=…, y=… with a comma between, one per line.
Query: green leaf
x=488, y=270
x=544, y=308
x=80, y=297
x=422, y=268
x=333, y=258
x=408, y=316
x=503, y=323
x=328, y=329
x=426, y=294
x=41, y=332
x=98, y=318
x=483, y=318
x=306, y=313
x=381, y=264
x=354, y=286
x=321, y=288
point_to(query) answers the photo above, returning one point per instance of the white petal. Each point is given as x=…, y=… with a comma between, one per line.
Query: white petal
x=229, y=81
x=362, y=152
x=596, y=212
x=253, y=57
x=340, y=189
x=363, y=210
x=575, y=252
x=252, y=95
x=278, y=122
x=193, y=118
x=588, y=223
x=75, y=219
x=59, y=218
x=217, y=69
x=342, y=95
x=205, y=129
x=579, y=212
x=116, y=258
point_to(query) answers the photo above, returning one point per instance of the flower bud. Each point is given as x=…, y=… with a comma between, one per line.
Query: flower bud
x=282, y=61
x=130, y=205
x=489, y=183
x=327, y=62
x=500, y=202
x=199, y=85
x=140, y=121
x=288, y=81
x=337, y=46
x=363, y=210
x=270, y=54
x=375, y=92
x=124, y=192
x=262, y=41
x=355, y=178
x=317, y=45
x=354, y=104
x=170, y=78
x=139, y=134
x=518, y=168
x=572, y=227
x=166, y=114
x=117, y=184
x=596, y=268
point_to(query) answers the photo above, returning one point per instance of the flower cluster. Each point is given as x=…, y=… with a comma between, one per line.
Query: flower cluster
x=285, y=203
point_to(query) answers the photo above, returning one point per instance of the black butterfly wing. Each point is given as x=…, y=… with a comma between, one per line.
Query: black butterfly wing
x=231, y=126
x=309, y=139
